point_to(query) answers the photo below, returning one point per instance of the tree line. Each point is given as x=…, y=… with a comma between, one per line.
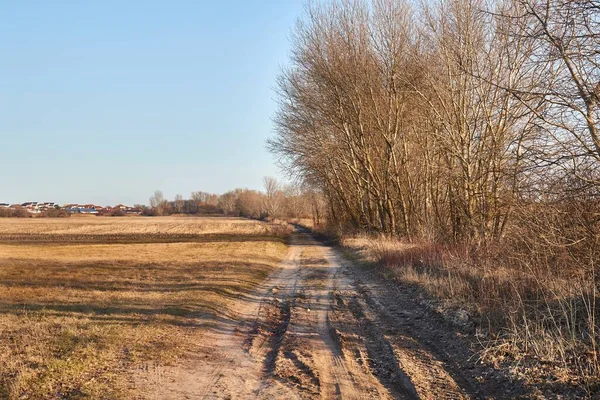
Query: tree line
x=443, y=121
x=470, y=128
x=277, y=200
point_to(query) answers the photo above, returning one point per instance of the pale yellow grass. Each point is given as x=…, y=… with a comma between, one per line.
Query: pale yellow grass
x=92, y=225
x=76, y=319
x=143, y=253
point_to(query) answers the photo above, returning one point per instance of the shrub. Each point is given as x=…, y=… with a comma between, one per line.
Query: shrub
x=535, y=291
x=55, y=213
x=14, y=213
x=115, y=213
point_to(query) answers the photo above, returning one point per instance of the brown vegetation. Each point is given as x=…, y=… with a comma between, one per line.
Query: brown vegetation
x=277, y=201
x=55, y=213
x=469, y=130
x=16, y=213
x=84, y=302
x=521, y=308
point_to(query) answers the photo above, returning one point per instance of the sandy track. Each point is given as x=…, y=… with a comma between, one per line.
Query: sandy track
x=313, y=330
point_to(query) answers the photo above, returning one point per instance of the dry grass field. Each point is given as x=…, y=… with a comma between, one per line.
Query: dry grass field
x=84, y=302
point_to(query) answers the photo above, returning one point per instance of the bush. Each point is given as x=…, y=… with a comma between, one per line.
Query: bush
x=148, y=212
x=14, y=213
x=115, y=213
x=55, y=213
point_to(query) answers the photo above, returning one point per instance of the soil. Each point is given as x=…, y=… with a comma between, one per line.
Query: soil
x=322, y=327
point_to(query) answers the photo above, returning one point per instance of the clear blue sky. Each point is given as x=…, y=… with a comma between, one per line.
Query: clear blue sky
x=107, y=101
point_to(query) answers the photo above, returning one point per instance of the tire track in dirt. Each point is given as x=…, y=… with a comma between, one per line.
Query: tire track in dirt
x=273, y=300
x=335, y=378
x=350, y=381
x=223, y=368
x=310, y=331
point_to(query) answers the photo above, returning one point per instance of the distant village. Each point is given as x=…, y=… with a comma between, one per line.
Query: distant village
x=34, y=207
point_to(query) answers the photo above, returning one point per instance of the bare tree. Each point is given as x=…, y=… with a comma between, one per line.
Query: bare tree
x=562, y=39
x=158, y=202
x=464, y=121
x=250, y=203
x=272, y=201
x=179, y=203
x=227, y=202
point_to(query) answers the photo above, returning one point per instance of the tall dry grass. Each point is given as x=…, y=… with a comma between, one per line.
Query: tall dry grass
x=533, y=295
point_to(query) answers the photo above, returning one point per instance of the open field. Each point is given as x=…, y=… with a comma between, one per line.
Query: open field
x=85, y=301
x=130, y=229
x=176, y=307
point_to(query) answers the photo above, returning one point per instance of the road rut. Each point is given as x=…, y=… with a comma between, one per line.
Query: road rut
x=312, y=330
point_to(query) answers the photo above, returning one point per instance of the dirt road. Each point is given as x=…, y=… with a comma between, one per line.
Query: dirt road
x=321, y=328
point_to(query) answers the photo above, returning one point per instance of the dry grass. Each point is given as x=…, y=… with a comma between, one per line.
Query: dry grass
x=76, y=319
x=92, y=225
x=545, y=319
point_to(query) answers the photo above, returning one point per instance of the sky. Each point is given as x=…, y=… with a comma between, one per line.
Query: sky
x=105, y=102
